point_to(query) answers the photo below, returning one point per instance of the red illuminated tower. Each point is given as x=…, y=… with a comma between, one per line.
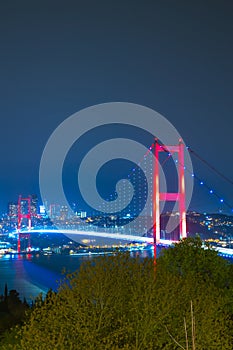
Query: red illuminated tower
x=21, y=215
x=166, y=196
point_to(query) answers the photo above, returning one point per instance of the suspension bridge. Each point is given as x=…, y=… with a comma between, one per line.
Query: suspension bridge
x=94, y=234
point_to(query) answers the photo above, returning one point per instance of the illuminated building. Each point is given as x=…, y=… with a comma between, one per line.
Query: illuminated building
x=64, y=212
x=34, y=204
x=12, y=209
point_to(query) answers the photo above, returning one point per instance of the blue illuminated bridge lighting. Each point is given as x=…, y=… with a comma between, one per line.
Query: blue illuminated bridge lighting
x=121, y=238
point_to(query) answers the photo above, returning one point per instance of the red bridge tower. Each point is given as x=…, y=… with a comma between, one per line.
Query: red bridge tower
x=177, y=196
x=21, y=216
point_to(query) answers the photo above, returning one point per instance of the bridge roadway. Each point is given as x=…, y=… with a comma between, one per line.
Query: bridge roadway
x=95, y=237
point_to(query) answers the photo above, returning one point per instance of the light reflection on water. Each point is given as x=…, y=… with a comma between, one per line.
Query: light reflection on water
x=34, y=274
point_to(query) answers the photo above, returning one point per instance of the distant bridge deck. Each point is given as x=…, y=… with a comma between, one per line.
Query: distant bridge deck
x=117, y=238
x=83, y=236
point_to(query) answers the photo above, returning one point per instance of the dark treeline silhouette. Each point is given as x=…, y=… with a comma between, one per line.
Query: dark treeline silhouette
x=12, y=309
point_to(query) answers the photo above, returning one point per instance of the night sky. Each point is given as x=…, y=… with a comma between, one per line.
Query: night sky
x=58, y=57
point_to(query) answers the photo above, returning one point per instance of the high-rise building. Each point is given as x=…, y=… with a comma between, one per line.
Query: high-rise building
x=24, y=206
x=34, y=204
x=64, y=212
x=83, y=214
x=54, y=211
x=12, y=209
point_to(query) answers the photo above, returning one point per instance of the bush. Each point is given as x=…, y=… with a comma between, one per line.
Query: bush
x=119, y=302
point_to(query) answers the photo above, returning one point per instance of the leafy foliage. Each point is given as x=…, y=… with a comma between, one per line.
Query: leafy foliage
x=118, y=302
x=12, y=309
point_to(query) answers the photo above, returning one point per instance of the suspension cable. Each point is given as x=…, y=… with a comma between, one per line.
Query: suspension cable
x=210, y=166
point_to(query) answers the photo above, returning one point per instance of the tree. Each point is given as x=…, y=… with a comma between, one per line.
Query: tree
x=205, y=278
x=12, y=309
x=118, y=302
x=190, y=258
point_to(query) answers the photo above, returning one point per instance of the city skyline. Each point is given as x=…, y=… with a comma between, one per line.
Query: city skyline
x=57, y=59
